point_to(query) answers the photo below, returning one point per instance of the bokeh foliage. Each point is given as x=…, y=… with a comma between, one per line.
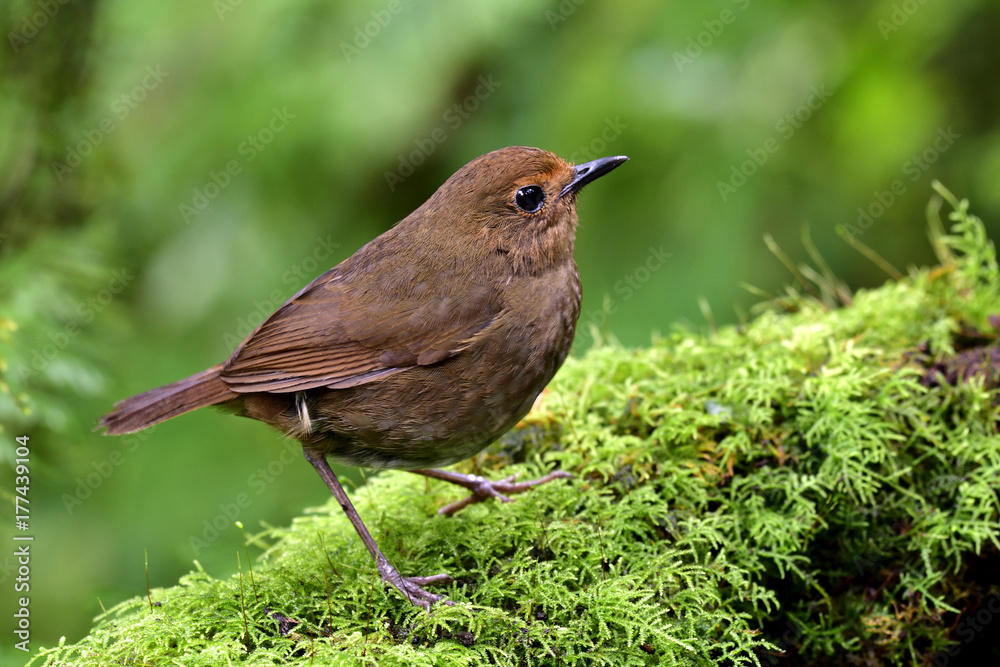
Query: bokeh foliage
x=113, y=115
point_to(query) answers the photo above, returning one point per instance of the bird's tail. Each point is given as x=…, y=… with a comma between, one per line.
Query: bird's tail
x=157, y=405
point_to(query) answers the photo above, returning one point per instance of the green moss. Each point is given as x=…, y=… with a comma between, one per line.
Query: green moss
x=823, y=481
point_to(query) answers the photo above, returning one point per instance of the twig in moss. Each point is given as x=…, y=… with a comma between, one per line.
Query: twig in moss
x=368, y=615
x=148, y=596
x=253, y=582
x=828, y=282
x=600, y=541
x=876, y=259
x=329, y=607
x=326, y=577
x=935, y=229
x=772, y=245
x=756, y=291
x=322, y=545
x=243, y=605
x=706, y=312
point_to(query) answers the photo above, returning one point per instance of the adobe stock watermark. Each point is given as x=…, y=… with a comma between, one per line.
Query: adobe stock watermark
x=786, y=126
x=565, y=9
x=968, y=628
x=34, y=24
x=121, y=107
x=7, y=567
x=248, y=150
x=86, y=311
x=223, y=7
x=627, y=287
x=696, y=44
x=898, y=17
x=103, y=469
x=597, y=146
x=298, y=275
x=212, y=528
x=453, y=117
x=364, y=35
x=912, y=169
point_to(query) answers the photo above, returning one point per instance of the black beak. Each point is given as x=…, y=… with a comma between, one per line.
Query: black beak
x=589, y=171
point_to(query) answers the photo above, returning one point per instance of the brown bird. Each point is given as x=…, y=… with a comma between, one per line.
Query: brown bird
x=423, y=347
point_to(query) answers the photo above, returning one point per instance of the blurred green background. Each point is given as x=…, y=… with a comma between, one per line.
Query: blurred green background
x=171, y=172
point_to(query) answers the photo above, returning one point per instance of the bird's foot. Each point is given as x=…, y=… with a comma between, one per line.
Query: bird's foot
x=484, y=489
x=412, y=587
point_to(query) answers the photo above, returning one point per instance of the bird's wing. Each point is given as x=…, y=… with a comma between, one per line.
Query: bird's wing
x=330, y=335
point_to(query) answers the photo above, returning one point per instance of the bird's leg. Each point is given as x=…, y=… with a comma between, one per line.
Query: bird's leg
x=410, y=587
x=483, y=489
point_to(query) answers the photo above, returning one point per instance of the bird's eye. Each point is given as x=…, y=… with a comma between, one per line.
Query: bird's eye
x=529, y=198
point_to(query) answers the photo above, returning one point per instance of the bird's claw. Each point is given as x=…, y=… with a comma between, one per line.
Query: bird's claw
x=483, y=489
x=412, y=587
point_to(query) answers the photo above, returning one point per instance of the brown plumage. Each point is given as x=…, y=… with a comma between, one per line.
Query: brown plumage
x=424, y=346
